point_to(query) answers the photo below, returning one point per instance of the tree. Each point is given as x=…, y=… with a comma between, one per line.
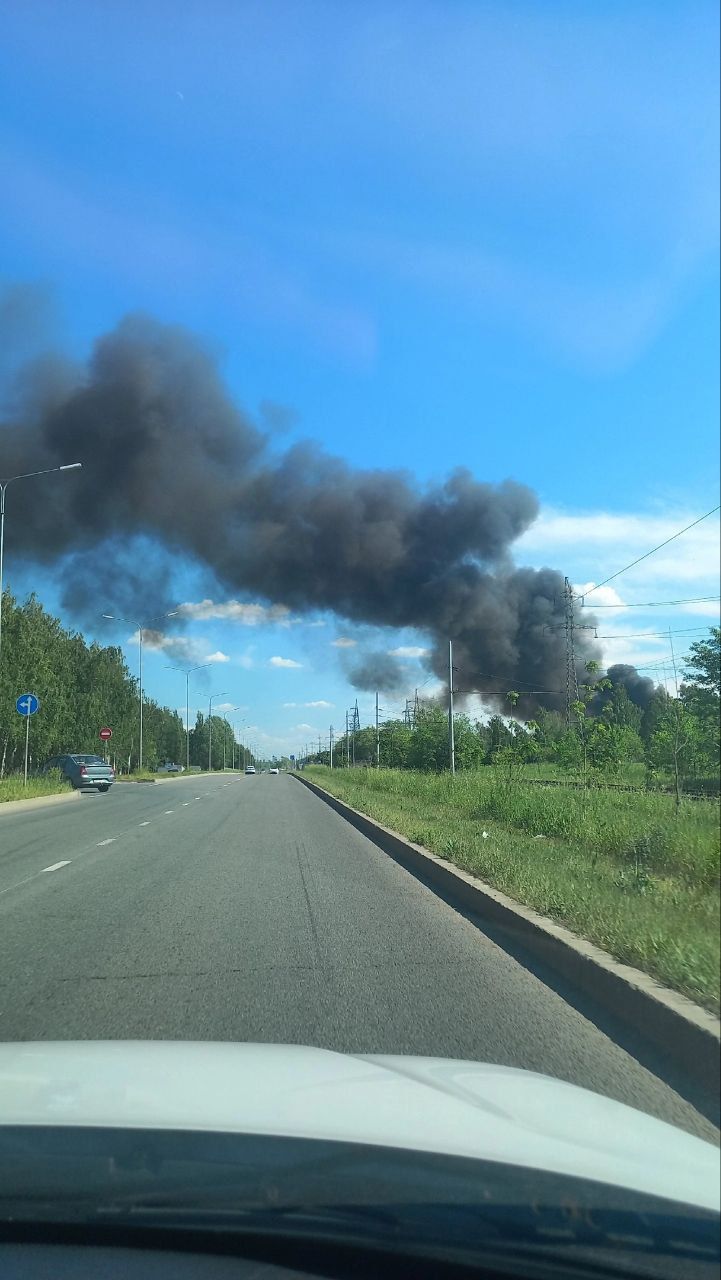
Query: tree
x=701, y=698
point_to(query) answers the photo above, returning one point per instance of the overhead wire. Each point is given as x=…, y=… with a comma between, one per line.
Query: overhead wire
x=652, y=551
x=653, y=604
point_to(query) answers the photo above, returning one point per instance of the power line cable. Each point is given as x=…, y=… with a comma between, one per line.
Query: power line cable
x=653, y=550
x=637, y=635
x=654, y=604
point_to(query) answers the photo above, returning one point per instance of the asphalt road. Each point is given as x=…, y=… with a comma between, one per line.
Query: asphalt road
x=245, y=909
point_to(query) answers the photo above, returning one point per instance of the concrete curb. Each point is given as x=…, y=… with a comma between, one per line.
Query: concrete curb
x=682, y=1034
x=37, y=802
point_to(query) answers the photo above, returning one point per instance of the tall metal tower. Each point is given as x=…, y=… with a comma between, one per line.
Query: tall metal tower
x=571, y=673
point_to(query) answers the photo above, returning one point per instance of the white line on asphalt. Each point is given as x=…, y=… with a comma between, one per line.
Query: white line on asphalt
x=168, y=811
x=110, y=840
x=143, y=824
x=197, y=797
x=57, y=865
x=186, y=803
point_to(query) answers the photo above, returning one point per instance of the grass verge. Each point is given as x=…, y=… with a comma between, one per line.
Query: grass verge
x=623, y=870
x=13, y=788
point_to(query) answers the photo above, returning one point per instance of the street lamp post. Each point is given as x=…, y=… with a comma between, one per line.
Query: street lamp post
x=142, y=626
x=27, y=475
x=232, y=732
x=210, y=727
x=187, y=675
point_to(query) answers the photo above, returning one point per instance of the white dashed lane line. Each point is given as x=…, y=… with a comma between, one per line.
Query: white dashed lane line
x=167, y=811
x=143, y=824
x=110, y=840
x=186, y=803
x=56, y=866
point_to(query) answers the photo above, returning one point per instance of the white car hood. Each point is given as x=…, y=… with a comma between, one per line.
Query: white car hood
x=429, y=1104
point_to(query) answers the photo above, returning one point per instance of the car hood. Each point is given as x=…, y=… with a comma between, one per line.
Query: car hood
x=439, y=1105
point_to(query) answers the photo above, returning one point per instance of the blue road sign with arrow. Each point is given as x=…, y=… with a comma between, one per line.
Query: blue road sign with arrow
x=27, y=704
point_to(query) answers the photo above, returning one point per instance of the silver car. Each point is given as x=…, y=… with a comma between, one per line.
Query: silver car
x=83, y=771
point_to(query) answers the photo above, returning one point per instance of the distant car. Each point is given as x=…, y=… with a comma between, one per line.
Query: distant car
x=170, y=768
x=274, y=771
x=83, y=771
x=249, y=768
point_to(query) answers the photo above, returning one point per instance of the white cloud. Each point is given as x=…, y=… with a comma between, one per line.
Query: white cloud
x=343, y=642
x=218, y=656
x=247, y=614
x=408, y=651
x=284, y=662
x=306, y=728
x=319, y=703
x=601, y=542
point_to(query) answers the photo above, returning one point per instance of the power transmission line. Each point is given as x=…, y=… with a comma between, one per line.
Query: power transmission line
x=652, y=551
x=654, y=604
x=637, y=635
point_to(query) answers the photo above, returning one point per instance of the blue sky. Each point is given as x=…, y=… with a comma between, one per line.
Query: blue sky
x=422, y=234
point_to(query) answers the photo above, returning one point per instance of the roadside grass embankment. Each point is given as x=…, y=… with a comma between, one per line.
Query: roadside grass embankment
x=622, y=869
x=13, y=788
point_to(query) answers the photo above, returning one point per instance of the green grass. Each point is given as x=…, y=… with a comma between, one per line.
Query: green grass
x=12, y=788
x=621, y=869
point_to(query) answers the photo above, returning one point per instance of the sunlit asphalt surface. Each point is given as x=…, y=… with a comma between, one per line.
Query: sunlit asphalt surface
x=234, y=908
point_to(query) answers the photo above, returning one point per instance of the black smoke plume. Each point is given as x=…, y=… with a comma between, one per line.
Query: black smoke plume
x=169, y=459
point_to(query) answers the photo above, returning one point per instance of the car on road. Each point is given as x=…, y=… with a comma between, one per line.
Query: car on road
x=274, y=771
x=249, y=768
x=83, y=771
x=168, y=767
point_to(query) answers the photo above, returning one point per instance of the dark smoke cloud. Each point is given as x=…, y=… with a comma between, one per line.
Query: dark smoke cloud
x=639, y=688
x=375, y=669
x=169, y=458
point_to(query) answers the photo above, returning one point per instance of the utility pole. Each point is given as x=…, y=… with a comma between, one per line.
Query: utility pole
x=571, y=674
x=347, y=743
x=331, y=746
x=451, y=735
x=378, y=737
x=570, y=627
x=356, y=727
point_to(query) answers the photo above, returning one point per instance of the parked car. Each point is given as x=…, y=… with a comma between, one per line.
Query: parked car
x=82, y=771
x=249, y=768
x=170, y=768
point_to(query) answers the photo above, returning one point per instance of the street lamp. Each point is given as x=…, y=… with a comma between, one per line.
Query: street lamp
x=213, y=696
x=142, y=626
x=188, y=674
x=27, y=475
x=232, y=730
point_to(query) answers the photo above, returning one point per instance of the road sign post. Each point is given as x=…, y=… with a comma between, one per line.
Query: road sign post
x=27, y=704
x=105, y=735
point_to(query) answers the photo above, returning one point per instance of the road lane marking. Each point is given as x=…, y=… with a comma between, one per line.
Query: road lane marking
x=197, y=797
x=167, y=811
x=186, y=803
x=110, y=840
x=143, y=824
x=56, y=866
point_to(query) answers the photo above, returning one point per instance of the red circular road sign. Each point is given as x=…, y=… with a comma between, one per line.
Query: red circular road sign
x=105, y=734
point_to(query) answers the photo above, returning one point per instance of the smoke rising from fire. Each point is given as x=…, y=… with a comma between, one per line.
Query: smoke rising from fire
x=169, y=458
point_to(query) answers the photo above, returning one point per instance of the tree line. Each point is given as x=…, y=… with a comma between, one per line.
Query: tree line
x=675, y=738
x=82, y=688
